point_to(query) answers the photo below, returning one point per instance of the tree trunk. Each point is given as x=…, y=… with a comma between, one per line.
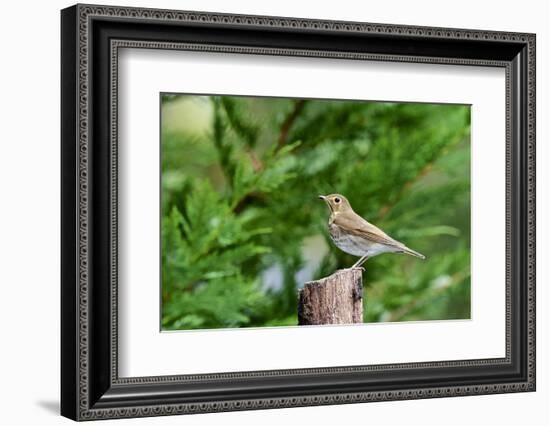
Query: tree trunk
x=336, y=299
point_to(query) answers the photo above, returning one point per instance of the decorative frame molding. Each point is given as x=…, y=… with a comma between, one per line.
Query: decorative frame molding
x=91, y=37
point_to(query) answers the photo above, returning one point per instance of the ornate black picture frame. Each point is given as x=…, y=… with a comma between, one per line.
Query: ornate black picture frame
x=91, y=36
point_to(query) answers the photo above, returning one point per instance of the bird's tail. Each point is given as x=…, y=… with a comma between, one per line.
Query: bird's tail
x=413, y=253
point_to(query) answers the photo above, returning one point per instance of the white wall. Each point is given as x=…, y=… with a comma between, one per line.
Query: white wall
x=29, y=211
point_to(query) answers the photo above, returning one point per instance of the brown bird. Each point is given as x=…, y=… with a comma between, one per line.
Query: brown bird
x=354, y=235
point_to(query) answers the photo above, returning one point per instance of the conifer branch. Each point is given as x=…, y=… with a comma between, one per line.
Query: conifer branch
x=289, y=121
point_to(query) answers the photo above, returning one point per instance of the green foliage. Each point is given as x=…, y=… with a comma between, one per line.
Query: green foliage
x=242, y=227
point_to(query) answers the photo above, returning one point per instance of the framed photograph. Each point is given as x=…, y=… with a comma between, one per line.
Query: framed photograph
x=263, y=212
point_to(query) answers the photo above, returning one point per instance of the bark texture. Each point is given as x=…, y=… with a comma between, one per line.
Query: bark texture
x=336, y=299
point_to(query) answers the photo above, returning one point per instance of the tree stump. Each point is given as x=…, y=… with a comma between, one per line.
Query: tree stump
x=336, y=299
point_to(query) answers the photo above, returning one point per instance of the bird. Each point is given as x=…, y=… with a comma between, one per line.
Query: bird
x=354, y=235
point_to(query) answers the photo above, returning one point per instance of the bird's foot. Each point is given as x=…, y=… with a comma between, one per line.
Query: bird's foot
x=351, y=268
x=361, y=261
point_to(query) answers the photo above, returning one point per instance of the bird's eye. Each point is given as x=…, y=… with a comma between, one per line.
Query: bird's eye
x=337, y=200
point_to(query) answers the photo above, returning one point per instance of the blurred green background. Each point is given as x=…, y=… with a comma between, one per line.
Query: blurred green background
x=243, y=229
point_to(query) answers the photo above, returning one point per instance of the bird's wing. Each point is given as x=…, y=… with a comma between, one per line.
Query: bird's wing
x=356, y=225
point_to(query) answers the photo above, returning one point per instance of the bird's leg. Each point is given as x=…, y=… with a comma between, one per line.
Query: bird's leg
x=362, y=260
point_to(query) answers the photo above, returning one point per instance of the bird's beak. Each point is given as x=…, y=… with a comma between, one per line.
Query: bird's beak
x=325, y=199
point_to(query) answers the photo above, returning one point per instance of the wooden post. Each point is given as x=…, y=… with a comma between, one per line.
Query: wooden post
x=336, y=299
